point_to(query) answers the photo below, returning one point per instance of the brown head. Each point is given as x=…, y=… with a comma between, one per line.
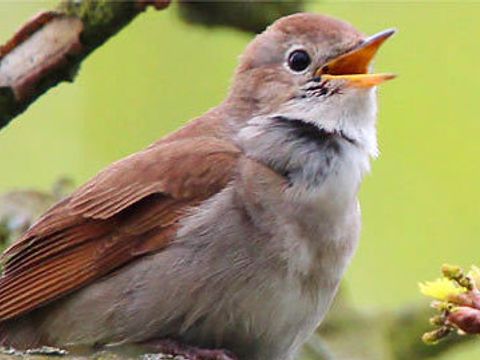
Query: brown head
x=310, y=67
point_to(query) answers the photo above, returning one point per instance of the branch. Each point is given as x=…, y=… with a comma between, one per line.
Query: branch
x=251, y=16
x=50, y=47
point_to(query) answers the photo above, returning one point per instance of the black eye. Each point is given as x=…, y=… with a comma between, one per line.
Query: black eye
x=298, y=60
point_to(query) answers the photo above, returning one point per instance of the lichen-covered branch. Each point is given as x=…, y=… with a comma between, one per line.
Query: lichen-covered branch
x=48, y=353
x=49, y=48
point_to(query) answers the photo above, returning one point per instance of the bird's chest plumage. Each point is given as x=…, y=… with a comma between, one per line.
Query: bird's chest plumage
x=317, y=228
x=276, y=252
x=314, y=214
x=306, y=210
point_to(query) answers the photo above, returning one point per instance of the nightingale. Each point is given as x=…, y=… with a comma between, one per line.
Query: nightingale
x=227, y=238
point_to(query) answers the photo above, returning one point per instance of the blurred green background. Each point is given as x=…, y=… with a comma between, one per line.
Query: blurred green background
x=422, y=201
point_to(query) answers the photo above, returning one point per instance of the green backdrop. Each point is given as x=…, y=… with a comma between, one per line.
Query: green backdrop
x=420, y=204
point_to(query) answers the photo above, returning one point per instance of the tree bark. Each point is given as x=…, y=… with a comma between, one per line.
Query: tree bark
x=50, y=47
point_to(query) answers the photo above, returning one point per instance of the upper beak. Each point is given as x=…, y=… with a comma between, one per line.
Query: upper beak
x=353, y=65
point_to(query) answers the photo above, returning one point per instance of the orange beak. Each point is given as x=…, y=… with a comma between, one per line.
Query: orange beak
x=352, y=67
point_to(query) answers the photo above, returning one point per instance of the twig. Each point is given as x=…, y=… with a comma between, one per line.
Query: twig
x=457, y=297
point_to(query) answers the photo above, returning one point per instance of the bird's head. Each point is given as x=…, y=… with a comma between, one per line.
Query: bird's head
x=315, y=69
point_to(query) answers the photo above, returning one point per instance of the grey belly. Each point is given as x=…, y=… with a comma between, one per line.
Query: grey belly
x=221, y=284
x=215, y=302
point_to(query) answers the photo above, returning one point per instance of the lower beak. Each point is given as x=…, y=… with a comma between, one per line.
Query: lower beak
x=352, y=67
x=361, y=80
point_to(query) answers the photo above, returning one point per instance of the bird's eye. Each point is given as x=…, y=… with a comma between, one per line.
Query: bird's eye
x=298, y=60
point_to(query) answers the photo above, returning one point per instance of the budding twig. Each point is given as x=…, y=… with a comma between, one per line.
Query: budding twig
x=458, y=301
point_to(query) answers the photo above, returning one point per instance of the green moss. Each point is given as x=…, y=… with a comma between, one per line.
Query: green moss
x=101, y=18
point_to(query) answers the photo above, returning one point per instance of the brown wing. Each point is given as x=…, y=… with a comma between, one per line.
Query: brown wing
x=130, y=209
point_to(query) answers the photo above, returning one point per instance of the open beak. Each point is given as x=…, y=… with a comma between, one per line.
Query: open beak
x=352, y=66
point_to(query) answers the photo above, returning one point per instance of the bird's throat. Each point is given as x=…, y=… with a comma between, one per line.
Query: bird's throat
x=296, y=149
x=313, y=132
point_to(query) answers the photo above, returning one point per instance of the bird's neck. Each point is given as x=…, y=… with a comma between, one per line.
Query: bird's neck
x=302, y=152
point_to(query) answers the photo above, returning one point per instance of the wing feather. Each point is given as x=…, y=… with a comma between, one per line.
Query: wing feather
x=128, y=210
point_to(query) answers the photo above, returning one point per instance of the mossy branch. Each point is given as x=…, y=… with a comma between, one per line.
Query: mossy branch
x=50, y=47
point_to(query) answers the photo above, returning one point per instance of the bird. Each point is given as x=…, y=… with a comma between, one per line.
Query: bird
x=226, y=239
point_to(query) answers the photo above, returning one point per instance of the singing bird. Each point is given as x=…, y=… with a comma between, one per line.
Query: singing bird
x=227, y=238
